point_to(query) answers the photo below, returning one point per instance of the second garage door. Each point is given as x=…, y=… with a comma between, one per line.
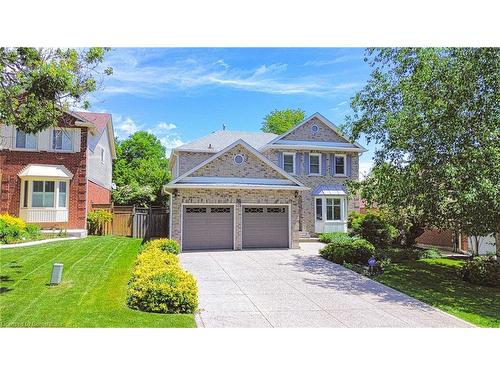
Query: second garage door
x=207, y=228
x=265, y=227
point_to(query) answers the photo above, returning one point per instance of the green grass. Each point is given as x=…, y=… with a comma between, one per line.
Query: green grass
x=435, y=282
x=92, y=293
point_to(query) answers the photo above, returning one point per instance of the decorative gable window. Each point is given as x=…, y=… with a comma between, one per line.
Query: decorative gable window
x=25, y=140
x=238, y=159
x=314, y=128
x=289, y=162
x=62, y=140
x=315, y=164
x=340, y=164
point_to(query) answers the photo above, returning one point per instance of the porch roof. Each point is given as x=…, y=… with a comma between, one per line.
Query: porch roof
x=337, y=189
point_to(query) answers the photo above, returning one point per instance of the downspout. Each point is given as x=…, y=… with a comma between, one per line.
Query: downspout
x=169, y=213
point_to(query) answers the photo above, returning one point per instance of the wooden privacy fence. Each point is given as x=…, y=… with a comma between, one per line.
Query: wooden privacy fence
x=138, y=222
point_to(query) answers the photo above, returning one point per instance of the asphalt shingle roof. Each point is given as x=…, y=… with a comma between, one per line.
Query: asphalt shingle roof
x=220, y=139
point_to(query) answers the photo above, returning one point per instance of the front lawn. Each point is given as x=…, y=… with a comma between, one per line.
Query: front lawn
x=435, y=282
x=93, y=291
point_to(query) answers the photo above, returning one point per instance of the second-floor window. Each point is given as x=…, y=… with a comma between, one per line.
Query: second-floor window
x=25, y=140
x=289, y=162
x=62, y=140
x=339, y=164
x=314, y=163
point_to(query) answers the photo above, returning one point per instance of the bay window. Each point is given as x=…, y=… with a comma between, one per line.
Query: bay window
x=333, y=209
x=319, y=209
x=43, y=194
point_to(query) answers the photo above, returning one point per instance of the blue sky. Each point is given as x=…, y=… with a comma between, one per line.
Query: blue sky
x=180, y=94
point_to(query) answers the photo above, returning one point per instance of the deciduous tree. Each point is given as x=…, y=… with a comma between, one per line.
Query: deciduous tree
x=280, y=121
x=434, y=115
x=38, y=84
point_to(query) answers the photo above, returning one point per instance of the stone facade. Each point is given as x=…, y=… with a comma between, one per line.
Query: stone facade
x=304, y=133
x=239, y=197
x=307, y=216
x=224, y=166
x=189, y=160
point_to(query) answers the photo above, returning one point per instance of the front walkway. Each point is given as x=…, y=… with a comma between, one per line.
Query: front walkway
x=298, y=288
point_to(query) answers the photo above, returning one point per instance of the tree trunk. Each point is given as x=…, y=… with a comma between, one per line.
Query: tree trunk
x=497, y=241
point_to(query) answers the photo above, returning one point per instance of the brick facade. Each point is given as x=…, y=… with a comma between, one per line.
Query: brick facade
x=441, y=239
x=239, y=198
x=307, y=217
x=12, y=162
x=224, y=166
x=304, y=133
x=97, y=194
x=189, y=160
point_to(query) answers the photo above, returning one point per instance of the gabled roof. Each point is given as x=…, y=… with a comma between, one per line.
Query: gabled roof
x=287, y=182
x=101, y=121
x=220, y=139
x=317, y=115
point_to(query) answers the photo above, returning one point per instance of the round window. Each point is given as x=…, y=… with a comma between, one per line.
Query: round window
x=239, y=159
x=315, y=128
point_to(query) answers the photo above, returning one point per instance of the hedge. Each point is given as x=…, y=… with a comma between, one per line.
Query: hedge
x=160, y=285
x=348, y=250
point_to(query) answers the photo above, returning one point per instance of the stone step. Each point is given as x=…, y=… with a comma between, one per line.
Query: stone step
x=308, y=239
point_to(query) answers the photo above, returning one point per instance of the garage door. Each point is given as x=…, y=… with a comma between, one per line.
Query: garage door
x=265, y=227
x=207, y=227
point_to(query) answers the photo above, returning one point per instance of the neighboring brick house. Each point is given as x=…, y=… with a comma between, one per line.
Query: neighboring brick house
x=51, y=178
x=234, y=190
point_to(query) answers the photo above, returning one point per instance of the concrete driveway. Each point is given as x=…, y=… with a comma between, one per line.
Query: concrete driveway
x=298, y=288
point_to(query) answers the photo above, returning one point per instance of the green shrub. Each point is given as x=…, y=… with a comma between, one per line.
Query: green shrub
x=97, y=220
x=430, y=253
x=328, y=237
x=14, y=229
x=373, y=227
x=164, y=244
x=482, y=271
x=350, y=250
x=159, y=284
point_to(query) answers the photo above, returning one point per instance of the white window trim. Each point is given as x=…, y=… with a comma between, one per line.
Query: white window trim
x=14, y=142
x=51, y=140
x=319, y=163
x=56, y=206
x=342, y=213
x=344, y=156
x=343, y=209
x=293, y=155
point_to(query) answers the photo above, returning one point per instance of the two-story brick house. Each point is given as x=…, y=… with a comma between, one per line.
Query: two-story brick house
x=237, y=190
x=52, y=178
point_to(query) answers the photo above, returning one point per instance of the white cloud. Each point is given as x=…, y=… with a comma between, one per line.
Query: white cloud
x=171, y=142
x=337, y=60
x=132, y=77
x=126, y=127
x=165, y=126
